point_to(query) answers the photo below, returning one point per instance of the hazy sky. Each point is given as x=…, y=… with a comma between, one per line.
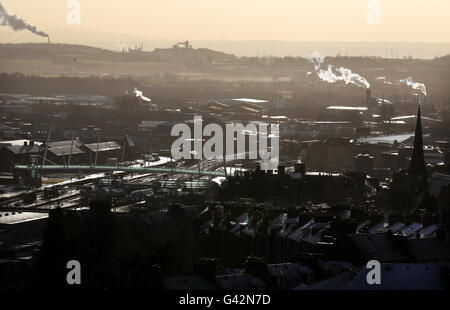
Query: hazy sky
x=292, y=20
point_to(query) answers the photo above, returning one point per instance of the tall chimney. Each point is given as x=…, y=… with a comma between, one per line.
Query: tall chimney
x=368, y=96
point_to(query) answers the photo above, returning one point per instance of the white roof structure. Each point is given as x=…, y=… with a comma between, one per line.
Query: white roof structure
x=18, y=218
x=249, y=100
x=346, y=108
x=406, y=117
x=400, y=138
x=18, y=142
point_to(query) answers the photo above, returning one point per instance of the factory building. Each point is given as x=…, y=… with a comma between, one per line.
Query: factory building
x=102, y=152
x=61, y=155
x=240, y=105
x=15, y=153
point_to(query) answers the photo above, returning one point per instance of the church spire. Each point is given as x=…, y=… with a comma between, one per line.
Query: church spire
x=417, y=165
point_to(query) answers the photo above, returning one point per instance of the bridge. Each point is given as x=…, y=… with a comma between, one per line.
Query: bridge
x=129, y=169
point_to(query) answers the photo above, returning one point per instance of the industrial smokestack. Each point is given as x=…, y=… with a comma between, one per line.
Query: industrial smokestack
x=17, y=23
x=368, y=96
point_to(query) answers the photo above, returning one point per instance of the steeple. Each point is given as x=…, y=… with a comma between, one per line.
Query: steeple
x=417, y=165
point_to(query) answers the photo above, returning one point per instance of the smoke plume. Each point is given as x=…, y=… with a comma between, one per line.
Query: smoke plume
x=414, y=85
x=122, y=47
x=140, y=94
x=341, y=74
x=17, y=23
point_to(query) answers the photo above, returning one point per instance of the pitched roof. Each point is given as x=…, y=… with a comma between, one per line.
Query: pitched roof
x=64, y=143
x=103, y=146
x=252, y=105
x=130, y=141
x=151, y=124
x=65, y=150
x=404, y=277
x=381, y=247
x=427, y=250
x=23, y=149
x=194, y=282
x=18, y=142
x=239, y=282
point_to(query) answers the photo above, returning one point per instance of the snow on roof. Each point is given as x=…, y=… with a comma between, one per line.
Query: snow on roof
x=411, y=229
x=396, y=227
x=18, y=218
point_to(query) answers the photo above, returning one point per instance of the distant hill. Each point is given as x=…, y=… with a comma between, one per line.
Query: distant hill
x=165, y=66
x=45, y=50
x=445, y=60
x=53, y=51
x=81, y=52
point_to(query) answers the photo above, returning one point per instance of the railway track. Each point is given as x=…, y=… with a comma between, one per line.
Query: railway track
x=71, y=200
